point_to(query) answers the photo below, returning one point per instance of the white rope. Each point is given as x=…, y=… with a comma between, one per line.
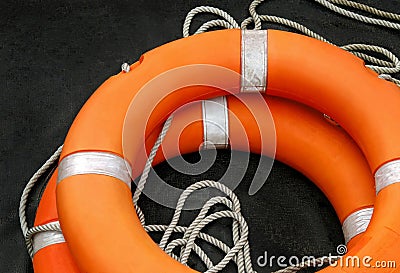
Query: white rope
x=382, y=67
x=147, y=169
x=229, y=21
x=239, y=253
x=204, y=211
x=369, y=20
x=378, y=65
x=54, y=226
x=371, y=10
x=25, y=195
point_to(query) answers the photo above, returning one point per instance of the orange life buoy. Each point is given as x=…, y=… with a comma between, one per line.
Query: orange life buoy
x=348, y=185
x=331, y=80
x=51, y=253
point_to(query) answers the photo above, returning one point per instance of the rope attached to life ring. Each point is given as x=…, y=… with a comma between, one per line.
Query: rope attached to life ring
x=382, y=67
x=239, y=253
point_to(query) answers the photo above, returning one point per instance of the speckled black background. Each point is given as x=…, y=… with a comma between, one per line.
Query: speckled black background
x=54, y=54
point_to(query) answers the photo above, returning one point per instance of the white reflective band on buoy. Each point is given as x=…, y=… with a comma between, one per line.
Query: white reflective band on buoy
x=356, y=223
x=254, y=60
x=95, y=163
x=215, y=123
x=387, y=175
x=46, y=238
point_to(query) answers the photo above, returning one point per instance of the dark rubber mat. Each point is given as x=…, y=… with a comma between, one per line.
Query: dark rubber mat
x=54, y=54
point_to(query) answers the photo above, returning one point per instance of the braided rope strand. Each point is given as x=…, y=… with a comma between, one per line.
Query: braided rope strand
x=239, y=253
x=378, y=65
x=25, y=196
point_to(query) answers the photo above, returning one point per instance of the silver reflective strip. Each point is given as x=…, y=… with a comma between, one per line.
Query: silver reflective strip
x=95, y=163
x=254, y=61
x=387, y=175
x=215, y=123
x=47, y=238
x=356, y=223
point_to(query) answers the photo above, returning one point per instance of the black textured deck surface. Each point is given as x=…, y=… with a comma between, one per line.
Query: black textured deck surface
x=54, y=54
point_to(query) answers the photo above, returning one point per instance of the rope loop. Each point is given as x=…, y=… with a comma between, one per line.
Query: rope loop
x=239, y=253
x=378, y=65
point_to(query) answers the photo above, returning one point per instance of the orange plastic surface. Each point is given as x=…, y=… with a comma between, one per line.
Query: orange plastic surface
x=329, y=157
x=55, y=258
x=330, y=80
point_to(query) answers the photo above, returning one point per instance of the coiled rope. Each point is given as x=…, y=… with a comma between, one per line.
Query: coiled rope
x=239, y=253
x=28, y=233
x=383, y=67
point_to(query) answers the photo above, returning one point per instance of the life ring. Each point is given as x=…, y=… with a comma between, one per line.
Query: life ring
x=50, y=250
x=301, y=133
x=312, y=132
x=348, y=184
x=328, y=80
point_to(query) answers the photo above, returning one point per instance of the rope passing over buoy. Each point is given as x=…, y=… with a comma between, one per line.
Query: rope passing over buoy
x=289, y=76
x=228, y=72
x=348, y=185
